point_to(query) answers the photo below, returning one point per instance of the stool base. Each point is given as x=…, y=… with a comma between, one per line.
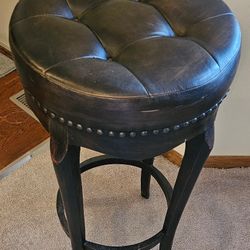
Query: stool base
x=68, y=171
x=147, y=170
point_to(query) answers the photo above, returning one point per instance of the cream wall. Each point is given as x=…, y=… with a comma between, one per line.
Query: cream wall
x=233, y=121
x=6, y=8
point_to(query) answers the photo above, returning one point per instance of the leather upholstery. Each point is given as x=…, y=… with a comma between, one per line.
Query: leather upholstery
x=125, y=65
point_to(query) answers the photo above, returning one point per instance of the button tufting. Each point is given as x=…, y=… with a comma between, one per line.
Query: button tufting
x=104, y=62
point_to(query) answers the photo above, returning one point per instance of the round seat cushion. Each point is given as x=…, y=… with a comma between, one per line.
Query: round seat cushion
x=119, y=65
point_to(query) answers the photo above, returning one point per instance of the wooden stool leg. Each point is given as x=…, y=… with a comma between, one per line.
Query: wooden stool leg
x=146, y=178
x=197, y=151
x=66, y=164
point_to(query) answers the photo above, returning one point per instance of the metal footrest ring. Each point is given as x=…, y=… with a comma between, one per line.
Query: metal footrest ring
x=107, y=160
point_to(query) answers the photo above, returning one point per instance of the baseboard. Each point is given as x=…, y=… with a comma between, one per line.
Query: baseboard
x=222, y=162
x=5, y=51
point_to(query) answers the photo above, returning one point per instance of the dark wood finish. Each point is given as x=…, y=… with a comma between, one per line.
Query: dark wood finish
x=100, y=161
x=67, y=167
x=66, y=163
x=19, y=132
x=220, y=162
x=146, y=178
x=197, y=152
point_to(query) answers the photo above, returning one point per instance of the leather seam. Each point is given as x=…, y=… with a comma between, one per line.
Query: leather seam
x=206, y=50
x=200, y=86
x=40, y=15
x=37, y=70
x=212, y=17
x=66, y=2
x=56, y=81
x=152, y=96
x=139, y=40
x=163, y=15
x=91, y=7
x=98, y=38
x=71, y=60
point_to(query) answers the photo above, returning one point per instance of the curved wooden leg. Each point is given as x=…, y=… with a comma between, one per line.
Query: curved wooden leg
x=66, y=164
x=197, y=152
x=146, y=178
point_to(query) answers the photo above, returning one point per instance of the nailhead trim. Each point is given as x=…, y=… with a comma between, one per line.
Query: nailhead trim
x=70, y=123
x=79, y=126
x=122, y=134
x=61, y=120
x=99, y=132
x=89, y=130
x=131, y=134
x=156, y=132
x=177, y=127
x=111, y=133
x=166, y=130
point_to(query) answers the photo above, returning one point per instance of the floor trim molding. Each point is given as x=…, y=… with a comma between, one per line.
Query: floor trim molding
x=6, y=52
x=221, y=162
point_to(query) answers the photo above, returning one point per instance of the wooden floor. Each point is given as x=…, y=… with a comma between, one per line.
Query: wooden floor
x=19, y=132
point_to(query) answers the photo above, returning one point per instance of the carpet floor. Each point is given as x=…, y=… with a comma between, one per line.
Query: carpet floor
x=217, y=216
x=6, y=65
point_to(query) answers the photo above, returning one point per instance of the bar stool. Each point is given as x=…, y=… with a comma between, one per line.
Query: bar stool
x=130, y=79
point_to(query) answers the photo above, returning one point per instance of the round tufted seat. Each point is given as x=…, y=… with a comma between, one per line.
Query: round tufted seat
x=121, y=68
x=131, y=79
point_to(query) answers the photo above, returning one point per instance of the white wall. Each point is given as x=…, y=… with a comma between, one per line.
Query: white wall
x=233, y=121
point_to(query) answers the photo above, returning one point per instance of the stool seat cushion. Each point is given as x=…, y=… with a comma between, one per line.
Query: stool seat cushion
x=120, y=63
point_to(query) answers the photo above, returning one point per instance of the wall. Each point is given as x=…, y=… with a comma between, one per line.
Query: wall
x=233, y=121
x=6, y=8
x=232, y=130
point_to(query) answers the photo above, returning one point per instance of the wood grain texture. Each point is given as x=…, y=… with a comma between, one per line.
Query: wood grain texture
x=223, y=162
x=19, y=132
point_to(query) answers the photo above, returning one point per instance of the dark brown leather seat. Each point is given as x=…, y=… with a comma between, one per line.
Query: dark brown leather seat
x=125, y=69
x=131, y=79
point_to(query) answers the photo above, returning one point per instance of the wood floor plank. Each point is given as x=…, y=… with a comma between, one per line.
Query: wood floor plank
x=19, y=132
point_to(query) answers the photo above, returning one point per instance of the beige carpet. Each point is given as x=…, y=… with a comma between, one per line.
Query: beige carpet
x=217, y=216
x=6, y=65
